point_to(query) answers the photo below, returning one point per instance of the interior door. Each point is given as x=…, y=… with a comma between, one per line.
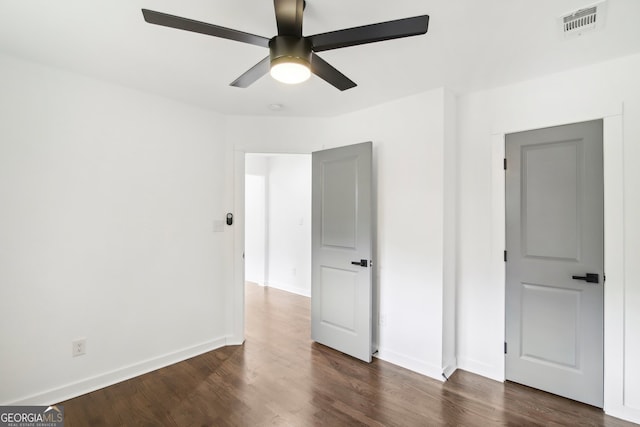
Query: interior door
x=341, y=278
x=555, y=260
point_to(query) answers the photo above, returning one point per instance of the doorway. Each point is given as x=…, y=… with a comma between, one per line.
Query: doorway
x=278, y=221
x=555, y=260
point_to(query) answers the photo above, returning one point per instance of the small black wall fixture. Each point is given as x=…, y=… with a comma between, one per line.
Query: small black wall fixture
x=229, y=218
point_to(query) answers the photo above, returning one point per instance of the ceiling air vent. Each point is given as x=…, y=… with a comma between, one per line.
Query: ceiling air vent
x=584, y=20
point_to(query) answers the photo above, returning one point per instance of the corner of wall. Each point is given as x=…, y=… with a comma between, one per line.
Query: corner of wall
x=450, y=226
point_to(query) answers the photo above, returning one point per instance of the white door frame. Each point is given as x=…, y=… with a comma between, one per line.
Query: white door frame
x=235, y=314
x=613, y=243
x=236, y=303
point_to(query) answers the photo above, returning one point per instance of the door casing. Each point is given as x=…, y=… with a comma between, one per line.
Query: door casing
x=612, y=115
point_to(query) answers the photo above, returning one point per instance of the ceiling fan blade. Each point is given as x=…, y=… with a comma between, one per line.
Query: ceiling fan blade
x=186, y=24
x=252, y=74
x=370, y=33
x=289, y=17
x=326, y=72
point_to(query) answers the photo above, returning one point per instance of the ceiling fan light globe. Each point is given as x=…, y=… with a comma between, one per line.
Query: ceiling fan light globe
x=290, y=71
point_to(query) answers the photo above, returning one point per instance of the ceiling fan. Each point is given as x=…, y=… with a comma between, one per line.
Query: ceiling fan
x=292, y=56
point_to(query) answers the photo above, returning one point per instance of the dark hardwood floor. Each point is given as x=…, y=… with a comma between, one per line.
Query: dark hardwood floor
x=280, y=378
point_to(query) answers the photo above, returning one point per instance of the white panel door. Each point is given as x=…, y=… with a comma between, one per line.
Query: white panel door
x=341, y=282
x=555, y=260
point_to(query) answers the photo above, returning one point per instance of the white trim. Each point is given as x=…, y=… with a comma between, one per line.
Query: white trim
x=410, y=363
x=612, y=109
x=480, y=368
x=498, y=232
x=87, y=385
x=614, y=290
x=237, y=285
x=450, y=369
x=291, y=289
x=624, y=412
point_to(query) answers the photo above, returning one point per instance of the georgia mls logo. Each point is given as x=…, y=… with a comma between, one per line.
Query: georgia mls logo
x=31, y=416
x=57, y=412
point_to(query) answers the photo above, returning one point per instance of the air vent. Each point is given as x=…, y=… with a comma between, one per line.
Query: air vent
x=584, y=20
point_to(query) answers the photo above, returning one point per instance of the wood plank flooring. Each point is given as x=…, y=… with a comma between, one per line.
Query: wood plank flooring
x=280, y=378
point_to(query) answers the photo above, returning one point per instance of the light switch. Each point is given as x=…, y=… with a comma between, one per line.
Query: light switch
x=218, y=226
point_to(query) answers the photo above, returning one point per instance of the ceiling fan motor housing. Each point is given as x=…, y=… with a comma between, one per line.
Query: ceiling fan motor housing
x=290, y=49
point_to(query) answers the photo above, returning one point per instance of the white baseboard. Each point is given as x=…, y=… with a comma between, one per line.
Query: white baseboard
x=623, y=412
x=291, y=289
x=78, y=388
x=482, y=369
x=450, y=369
x=410, y=363
x=233, y=340
x=255, y=282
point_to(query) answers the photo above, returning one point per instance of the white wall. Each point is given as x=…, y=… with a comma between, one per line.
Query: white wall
x=609, y=90
x=408, y=139
x=107, y=201
x=409, y=158
x=289, y=219
x=283, y=210
x=288, y=135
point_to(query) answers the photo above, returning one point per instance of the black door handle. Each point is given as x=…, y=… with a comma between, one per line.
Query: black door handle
x=589, y=278
x=361, y=263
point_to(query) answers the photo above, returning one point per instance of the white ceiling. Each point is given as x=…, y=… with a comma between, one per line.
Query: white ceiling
x=470, y=45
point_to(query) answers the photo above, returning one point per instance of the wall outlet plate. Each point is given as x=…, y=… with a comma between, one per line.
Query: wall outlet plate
x=79, y=347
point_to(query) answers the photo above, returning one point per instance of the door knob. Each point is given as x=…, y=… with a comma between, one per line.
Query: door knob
x=589, y=278
x=361, y=263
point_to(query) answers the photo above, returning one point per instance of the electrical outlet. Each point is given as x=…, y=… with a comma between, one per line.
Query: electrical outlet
x=79, y=347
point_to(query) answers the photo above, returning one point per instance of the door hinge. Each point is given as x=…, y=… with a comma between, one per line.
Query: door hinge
x=504, y=164
x=505, y=347
x=505, y=256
